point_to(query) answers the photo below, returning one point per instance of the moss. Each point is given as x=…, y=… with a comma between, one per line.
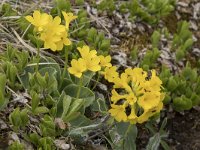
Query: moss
x=171, y=22
x=140, y=41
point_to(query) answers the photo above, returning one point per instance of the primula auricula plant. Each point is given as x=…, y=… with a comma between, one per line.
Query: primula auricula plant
x=50, y=30
x=135, y=96
x=139, y=94
x=89, y=61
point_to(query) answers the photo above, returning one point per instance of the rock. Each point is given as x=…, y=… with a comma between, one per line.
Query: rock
x=99, y=95
x=183, y=4
x=196, y=51
x=193, y=25
x=60, y=123
x=196, y=12
x=61, y=144
x=3, y=125
x=120, y=58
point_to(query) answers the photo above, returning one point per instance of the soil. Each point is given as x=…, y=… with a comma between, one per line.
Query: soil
x=184, y=131
x=183, y=128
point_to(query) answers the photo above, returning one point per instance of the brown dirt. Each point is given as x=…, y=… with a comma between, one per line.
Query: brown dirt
x=184, y=131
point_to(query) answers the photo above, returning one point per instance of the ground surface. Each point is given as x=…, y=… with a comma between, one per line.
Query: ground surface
x=184, y=128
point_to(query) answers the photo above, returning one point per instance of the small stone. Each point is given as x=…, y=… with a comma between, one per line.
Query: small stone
x=196, y=12
x=115, y=30
x=183, y=4
x=120, y=58
x=60, y=123
x=13, y=137
x=103, y=87
x=99, y=95
x=193, y=25
x=3, y=125
x=61, y=144
x=196, y=51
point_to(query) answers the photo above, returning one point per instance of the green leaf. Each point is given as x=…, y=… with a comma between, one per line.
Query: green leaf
x=86, y=78
x=81, y=121
x=195, y=99
x=155, y=38
x=63, y=5
x=154, y=142
x=47, y=126
x=165, y=145
x=35, y=100
x=163, y=125
x=171, y=85
x=105, y=45
x=92, y=33
x=182, y=103
x=14, y=117
x=34, y=138
x=190, y=74
x=80, y=133
x=16, y=146
x=63, y=105
x=79, y=2
x=74, y=109
x=134, y=54
x=44, y=63
x=41, y=110
x=188, y=44
x=40, y=80
x=50, y=70
x=3, y=100
x=19, y=118
x=46, y=143
x=99, y=105
x=11, y=73
x=7, y=10
x=85, y=93
x=167, y=98
x=180, y=54
x=24, y=117
x=127, y=134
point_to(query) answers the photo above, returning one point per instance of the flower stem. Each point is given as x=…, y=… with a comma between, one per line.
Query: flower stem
x=65, y=66
x=79, y=88
x=98, y=77
x=38, y=57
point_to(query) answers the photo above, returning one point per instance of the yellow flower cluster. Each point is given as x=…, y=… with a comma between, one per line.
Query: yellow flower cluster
x=136, y=96
x=89, y=61
x=50, y=29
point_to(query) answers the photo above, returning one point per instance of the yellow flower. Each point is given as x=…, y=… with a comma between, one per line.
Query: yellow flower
x=68, y=18
x=149, y=100
x=105, y=61
x=39, y=20
x=54, y=34
x=118, y=112
x=122, y=82
x=154, y=84
x=50, y=40
x=133, y=117
x=91, y=58
x=93, y=64
x=77, y=67
x=110, y=73
x=55, y=27
x=131, y=98
x=64, y=41
x=143, y=95
x=86, y=53
x=116, y=97
x=149, y=113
